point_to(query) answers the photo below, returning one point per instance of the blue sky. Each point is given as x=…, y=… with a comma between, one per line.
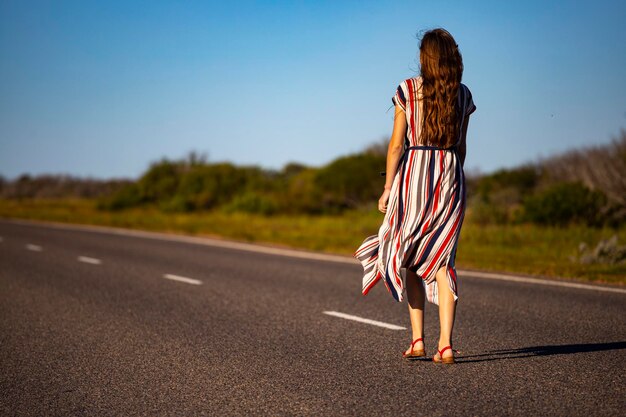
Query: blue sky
x=103, y=88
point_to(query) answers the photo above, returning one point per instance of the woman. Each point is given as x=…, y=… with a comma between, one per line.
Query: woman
x=424, y=194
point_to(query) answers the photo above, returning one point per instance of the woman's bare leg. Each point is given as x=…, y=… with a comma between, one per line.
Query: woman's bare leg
x=447, y=310
x=415, y=297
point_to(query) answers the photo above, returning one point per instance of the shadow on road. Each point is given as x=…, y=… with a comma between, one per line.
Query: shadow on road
x=532, y=351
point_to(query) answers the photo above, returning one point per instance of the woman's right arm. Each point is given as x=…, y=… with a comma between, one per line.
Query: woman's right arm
x=394, y=151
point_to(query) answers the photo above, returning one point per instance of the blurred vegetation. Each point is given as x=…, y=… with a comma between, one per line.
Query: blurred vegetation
x=576, y=192
x=565, y=203
x=192, y=184
x=583, y=186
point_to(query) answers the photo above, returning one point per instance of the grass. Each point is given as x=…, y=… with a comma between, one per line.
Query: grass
x=526, y=248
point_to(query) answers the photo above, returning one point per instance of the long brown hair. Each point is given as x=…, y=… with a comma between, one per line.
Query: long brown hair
x=441, y=68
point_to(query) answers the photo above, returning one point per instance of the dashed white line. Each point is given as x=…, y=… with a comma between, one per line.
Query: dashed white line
x=182, y=279
x=221, y=243
x=34, y=248
x=1, y=239
x=364, y=320
x=88, y=260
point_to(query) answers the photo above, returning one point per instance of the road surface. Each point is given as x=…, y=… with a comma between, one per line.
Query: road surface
x=98, y=323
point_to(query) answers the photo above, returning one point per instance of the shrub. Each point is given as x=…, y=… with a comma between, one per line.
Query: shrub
x=497, y=198
x=520, y=180
x=565, y=203
x=484, y=213
x=178, y=203
x=208, y=186
x=253, y=202
x=160, y=181
x=350, y=181
x=293, y=168
x=302, y=194
x=127, y=196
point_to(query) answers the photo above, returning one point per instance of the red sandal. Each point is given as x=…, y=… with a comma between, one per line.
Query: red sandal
x=415, y=353
x=448, y=360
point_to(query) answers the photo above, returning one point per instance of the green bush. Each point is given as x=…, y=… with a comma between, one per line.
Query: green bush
x=351, y=181
x=127, y=196
x=253, y=202
x=521, y=181
x=177, y=204
x=484, y=213
x=497, y=198
x=208, y=186
x=293, y=168
x=565, y=203
x=160, y=181
x=301, y=194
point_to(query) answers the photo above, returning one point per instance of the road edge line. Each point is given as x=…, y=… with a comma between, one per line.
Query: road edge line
x=293, y=253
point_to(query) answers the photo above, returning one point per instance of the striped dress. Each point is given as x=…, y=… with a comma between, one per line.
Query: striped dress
x=426, y=207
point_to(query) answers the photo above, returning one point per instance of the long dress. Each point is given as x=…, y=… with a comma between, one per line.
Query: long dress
x=426, y=207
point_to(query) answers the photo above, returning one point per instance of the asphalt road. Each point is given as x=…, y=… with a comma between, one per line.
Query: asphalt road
x=90, y=325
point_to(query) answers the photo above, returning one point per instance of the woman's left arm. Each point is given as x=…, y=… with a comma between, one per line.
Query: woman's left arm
x=463, y=144
x=394, y=151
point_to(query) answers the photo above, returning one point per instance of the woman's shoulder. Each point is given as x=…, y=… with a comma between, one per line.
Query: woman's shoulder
x=466, y=99
x=411, y=86
x=465, y=88
x=407, y=91
x=413, y=81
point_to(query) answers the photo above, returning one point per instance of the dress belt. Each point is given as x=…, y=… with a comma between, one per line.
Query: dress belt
x=450, y=148
x=405, y=154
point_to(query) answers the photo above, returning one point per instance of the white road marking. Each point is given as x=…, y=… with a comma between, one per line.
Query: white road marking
x=364, y=320
x=293, y=253
x=538, y=281
x=182, y=279
x=1, y=239
x=34, y=248
x=88, y=260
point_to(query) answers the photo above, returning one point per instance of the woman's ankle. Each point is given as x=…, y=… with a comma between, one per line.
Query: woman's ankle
x=442, y=344
x=417, y=336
